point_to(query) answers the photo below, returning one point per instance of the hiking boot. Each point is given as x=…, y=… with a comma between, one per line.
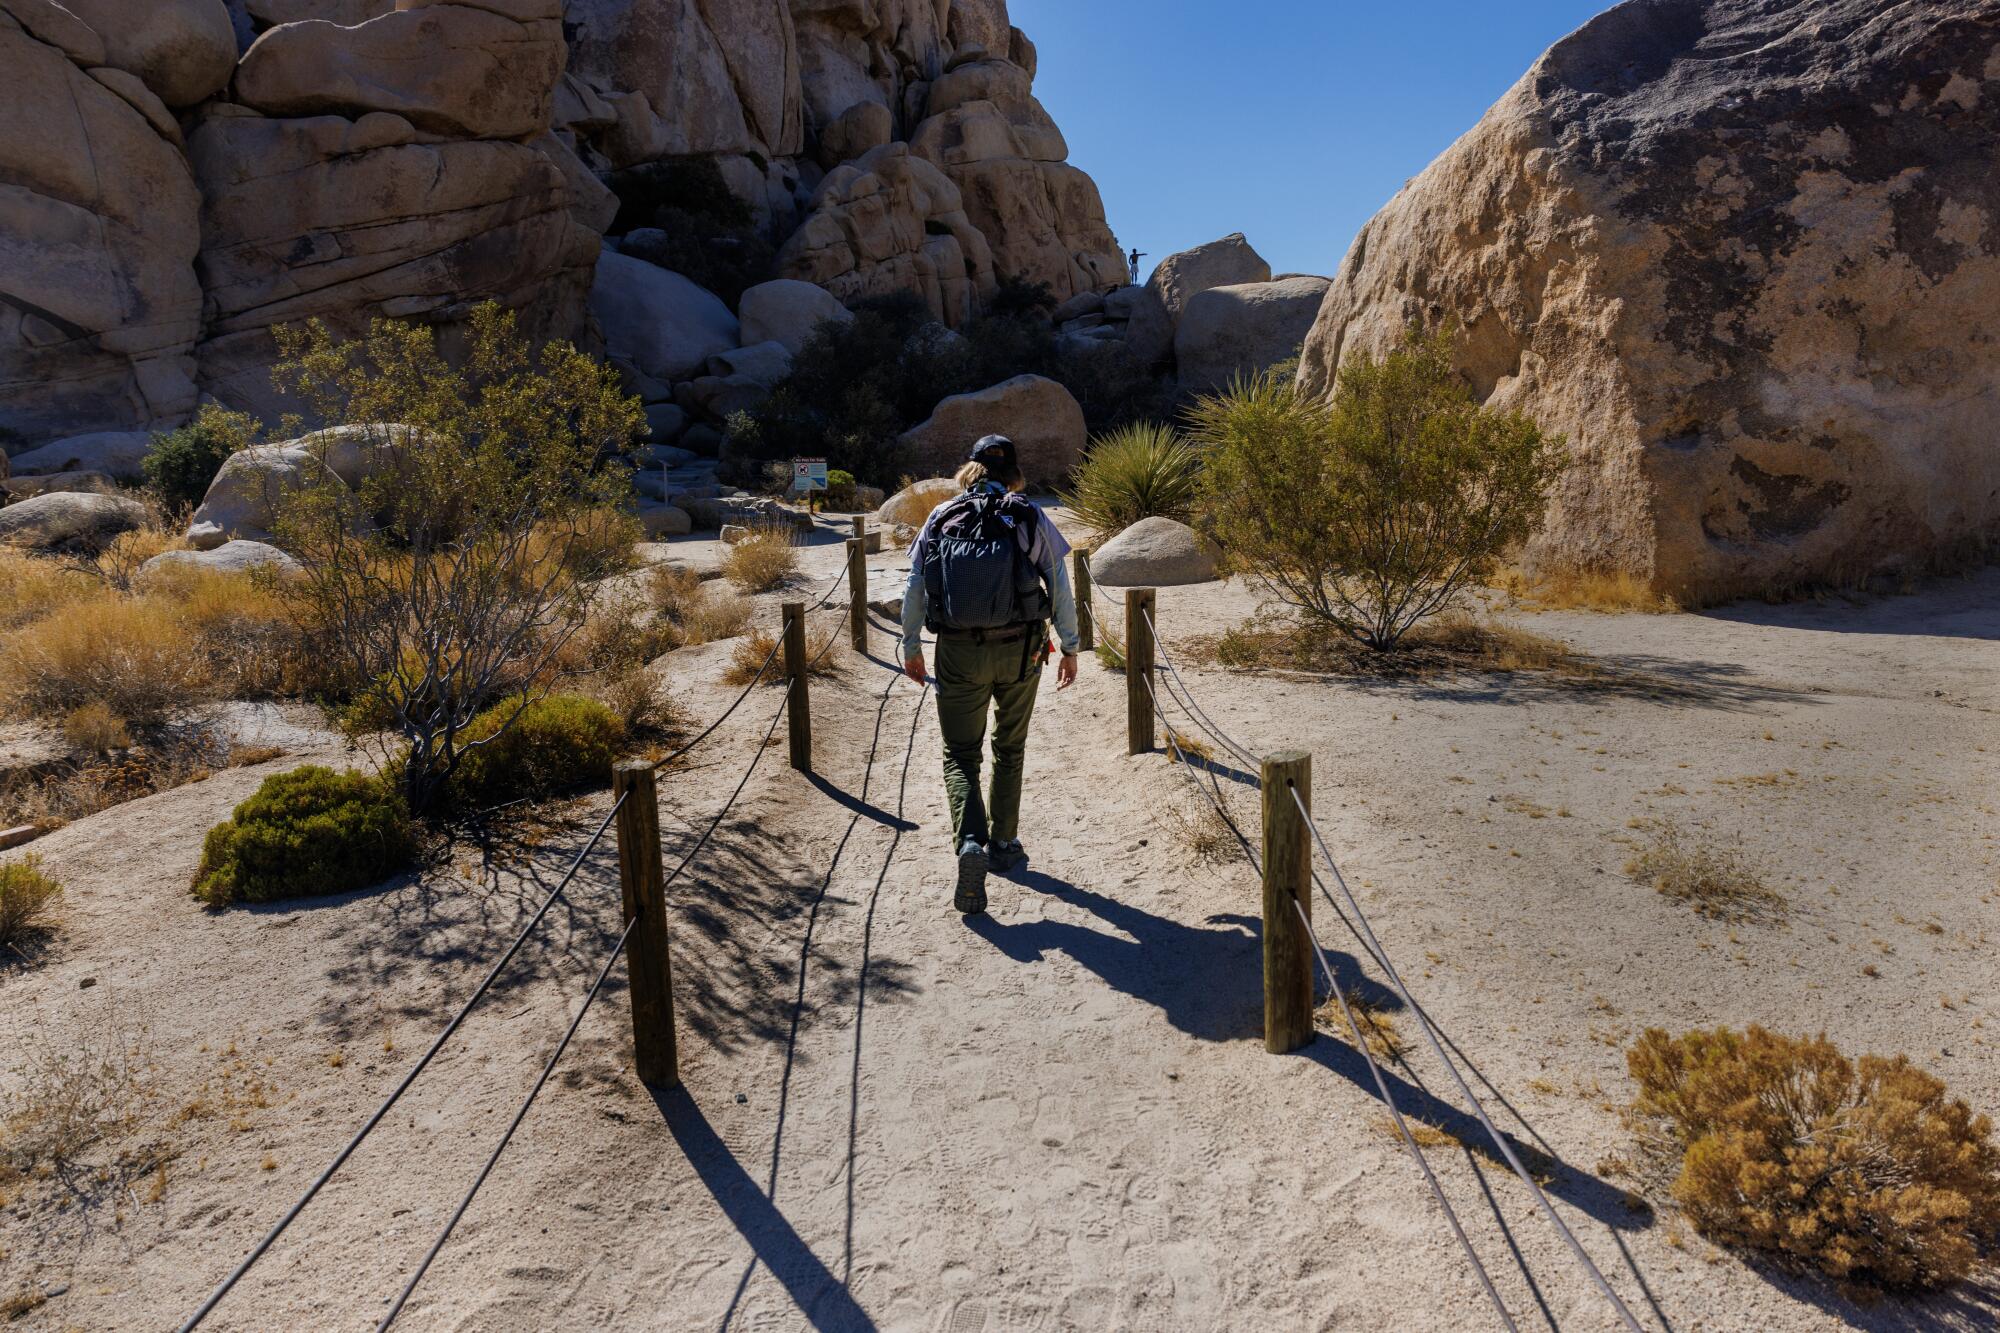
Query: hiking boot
x=1004, y=858
x=971, y=896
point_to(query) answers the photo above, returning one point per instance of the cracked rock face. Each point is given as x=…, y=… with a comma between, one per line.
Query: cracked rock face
x=1745, y=254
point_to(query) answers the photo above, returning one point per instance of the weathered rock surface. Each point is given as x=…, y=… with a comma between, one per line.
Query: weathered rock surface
x=243, y=500
x=892, y=222
x=1229, y=262
x=765, y=363
x=657, y=320
x=1039, y=415
x=472, y=70
x=1142, y=322
x=99, y=225
x=1744, y=254
x=664, y=520
x=1236, y=332
x=69, y=519
x=117, y=453
x=1155, y=552
x=183, y=50
x=232, y=557
x=788, y=312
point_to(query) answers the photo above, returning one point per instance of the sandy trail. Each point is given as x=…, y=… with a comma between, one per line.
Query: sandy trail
x=1061, y=1115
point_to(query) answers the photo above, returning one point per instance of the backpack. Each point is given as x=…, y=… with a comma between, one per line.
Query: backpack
x=976, y=576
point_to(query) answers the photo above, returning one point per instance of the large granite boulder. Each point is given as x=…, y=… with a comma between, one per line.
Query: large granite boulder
x=348, y=220
x=116, y=453
x=473, y=70
x=183, y=50
x=1229, y=262
x=1229, y=333
x=232, y=557
x=656, y=320
x=788, y=312
x=69, y=519
x=99, y=226
x=244, y=499
x=892, y=222
x=1743, y=254
x=1039, y=415
x=1155, y=552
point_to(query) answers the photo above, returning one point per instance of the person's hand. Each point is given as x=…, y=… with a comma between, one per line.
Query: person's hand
x=913, y=667
x=1066, y=671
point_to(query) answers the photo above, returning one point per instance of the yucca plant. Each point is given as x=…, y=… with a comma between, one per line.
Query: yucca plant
x=1136, y=471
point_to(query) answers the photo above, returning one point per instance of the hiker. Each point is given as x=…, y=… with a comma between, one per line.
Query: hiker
x=986, y=573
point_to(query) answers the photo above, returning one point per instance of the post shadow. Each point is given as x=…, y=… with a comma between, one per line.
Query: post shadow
x=856, y=805
x=823, y=1299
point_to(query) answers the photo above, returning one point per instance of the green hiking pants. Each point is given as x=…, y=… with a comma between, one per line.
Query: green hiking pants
x=971, y=677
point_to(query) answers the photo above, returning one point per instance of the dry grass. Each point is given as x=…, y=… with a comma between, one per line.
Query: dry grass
x=51, y=795
x=1865, y=1171
x=750, y=654
x=1426, y=1134
x=1717, y=880
x=95, y=729
x=698, y=611
x=135, y=655
x=763, y=561
x=1189, y=749
x=33, y=586
x=27, y=903
x=69, y=1096
x=1451, y=642
x=1199, y=831
x=1608, y=592
x=1378, y=1029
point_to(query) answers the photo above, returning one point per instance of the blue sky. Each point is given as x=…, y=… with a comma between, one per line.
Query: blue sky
x=1291, y=121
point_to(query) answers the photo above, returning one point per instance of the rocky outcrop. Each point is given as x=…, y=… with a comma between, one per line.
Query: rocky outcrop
x=99, y=306
x=1230, y=333
x=183, y=50
x=892, y=222
x=1156, y=552
x=1745, y=254
x=1040, y=416
x=1229, y=262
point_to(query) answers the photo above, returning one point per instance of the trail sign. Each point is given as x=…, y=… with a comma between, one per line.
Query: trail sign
x=808, y=474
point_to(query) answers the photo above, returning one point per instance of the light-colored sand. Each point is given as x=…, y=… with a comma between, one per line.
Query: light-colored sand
x=1061, y=1116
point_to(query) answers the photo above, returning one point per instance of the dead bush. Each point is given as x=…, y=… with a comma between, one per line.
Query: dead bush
x=697, y=610
x=750, y=655
x=1604, y=591
x=1378, y=1029
x=51, y=795
x=1863, y=1171
x=68, y=1095
x=1199, y=831
x=1454, y=641
x=764, y=560
x=1715, y=879
x=27, y=902
x=95, y=729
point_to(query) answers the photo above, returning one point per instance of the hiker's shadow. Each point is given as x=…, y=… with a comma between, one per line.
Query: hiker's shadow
x=1207, y=980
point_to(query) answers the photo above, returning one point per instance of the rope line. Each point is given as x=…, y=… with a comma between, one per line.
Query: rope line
x=270, y=1237
x=1194, y=708
x=1478, y=1108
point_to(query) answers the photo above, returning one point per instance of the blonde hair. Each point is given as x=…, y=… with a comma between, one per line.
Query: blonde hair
x=971, y=475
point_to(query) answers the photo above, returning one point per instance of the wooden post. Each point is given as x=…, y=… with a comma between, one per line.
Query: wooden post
x=1288, y=989
x=1139, y=604
x=857, y=589
x=642, y=877
x=798, y=709
x=1086, y=623
x=871, y=542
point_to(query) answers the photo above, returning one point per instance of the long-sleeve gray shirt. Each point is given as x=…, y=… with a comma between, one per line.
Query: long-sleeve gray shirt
x=1047, y=550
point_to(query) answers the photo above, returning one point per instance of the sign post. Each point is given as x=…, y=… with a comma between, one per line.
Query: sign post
x=808, y=477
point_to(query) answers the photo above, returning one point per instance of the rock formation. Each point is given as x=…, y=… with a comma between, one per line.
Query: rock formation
x=1228, y=262
x=1229, y=333
x=1745, y=254
x=1040, y=416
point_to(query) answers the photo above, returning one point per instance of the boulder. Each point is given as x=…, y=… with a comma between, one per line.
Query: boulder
x=1235, y=332
x=1229, y=262
x=889, y=223
x=720, y=397
x=591, y=202
x=663, y=324
x=354, y=452
x=243, y=499
x=766, y=363
x=664, y=520
x=1155, y=552
x=1142, y=321
x=788, y=312
x=1038, y=414
x=665, y=421
x=234, y=557
x=116, y=453
x=99, y=225
x=96, y=483
x=864, y=126
x=1078, y=306
x=63, y=519
x=349, y=220
x=473, y=70
x=183, y=50
x=1742, y=254
x=909, y=505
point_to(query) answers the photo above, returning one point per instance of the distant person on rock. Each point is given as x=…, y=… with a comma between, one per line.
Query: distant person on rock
x=986, y=575
x=1137, y=255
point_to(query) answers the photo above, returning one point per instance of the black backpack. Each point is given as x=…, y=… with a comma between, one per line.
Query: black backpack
x=976, y=576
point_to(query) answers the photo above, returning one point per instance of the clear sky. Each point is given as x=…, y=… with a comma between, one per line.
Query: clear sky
x=1291, y=121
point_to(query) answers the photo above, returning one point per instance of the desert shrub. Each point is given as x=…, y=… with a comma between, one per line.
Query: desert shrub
x=1015, y=297
x=469, y=557
x=764, y=560
x=305, y=834
x=535, y=747
x=1863, y=1171
x=839, y=495
x=182, y=463
x=1607, y=591
x=687, y=219
x=27, y=900
x=95, y=729
x=1452, y=642
x=245, y=631
x=134, y=655
x=69, y=1093
x=32, y=586
x=1138, y=471
x=1716, y=880
x=1113, y=387
x=638, y=699
x=698, y=611
x=1372, y=511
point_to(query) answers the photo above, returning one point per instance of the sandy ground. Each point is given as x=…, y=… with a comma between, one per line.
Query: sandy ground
x=1061, y=1115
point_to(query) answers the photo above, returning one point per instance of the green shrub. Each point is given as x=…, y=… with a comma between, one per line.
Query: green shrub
x=705, y=232
x=183, y=462
x=1139, y=471
x=1372, y=511
x=306, y=834
x=27, y=900
x=537, y=747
